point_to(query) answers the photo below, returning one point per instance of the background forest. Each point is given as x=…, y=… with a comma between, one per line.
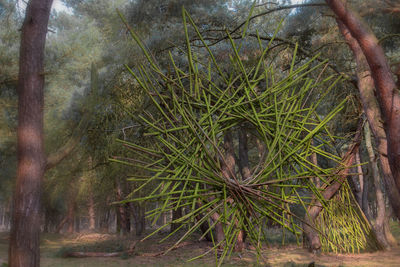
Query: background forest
x=225, y=121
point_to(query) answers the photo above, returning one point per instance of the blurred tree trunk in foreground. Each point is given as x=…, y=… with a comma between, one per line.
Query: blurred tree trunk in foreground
x=24, y=239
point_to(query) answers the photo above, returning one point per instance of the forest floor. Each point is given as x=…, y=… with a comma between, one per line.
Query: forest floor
x=53, y=247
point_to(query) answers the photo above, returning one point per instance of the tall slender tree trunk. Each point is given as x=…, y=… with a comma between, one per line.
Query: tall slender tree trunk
x=91, y=211
x=363, y=180
x=123, y=213
x=380, y=201
x=24, y=239
x=366, y=48
x=365, y=199
x=138, y=212
x=355, y=180
x=77, y=224
x=71, y=216
x=360, y=176
x=176, y=214
x=370, y=104
x=244, y=168
x=309, y=234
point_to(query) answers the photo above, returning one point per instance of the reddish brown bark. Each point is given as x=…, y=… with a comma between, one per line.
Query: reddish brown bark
x=24, y=238
x=388, y=96
x=371, y=109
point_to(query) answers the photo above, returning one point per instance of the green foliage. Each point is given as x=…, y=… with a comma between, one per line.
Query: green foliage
x=197, y=108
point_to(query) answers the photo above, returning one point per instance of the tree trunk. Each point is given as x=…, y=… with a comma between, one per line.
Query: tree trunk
x=71, y=217
x=91, y=211
x=123, y=212
x=373, y=114
x=380, y=201
x=24, y=238
x=176, y=214
x=365, y=203
x=354, y=181
x=328, y=192
x=138, y=212
x=228, y=172
x=104, y=222
x=77, y=224
x=244, y=168
x=388, y=233
x=204, y=226
x=46, y=221
x=360, y=176
x=363, y=180
x=364, y=43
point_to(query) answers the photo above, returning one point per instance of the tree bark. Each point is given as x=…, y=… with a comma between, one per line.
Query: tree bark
x=387, y=95
x=365, y=86
x=365, y=203
x=363, y=180
x=77, y=224
x=380, y=201
x=123, y=213
x=24, y=238
x=71, y=216
x=91, y=211
x=356, y=181
x=329, y=191
x=228, y=172
x=176, y=214
x=138, y=212
x=388, y=233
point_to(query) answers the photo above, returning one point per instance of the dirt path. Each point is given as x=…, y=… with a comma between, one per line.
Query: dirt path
x=285, y=257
